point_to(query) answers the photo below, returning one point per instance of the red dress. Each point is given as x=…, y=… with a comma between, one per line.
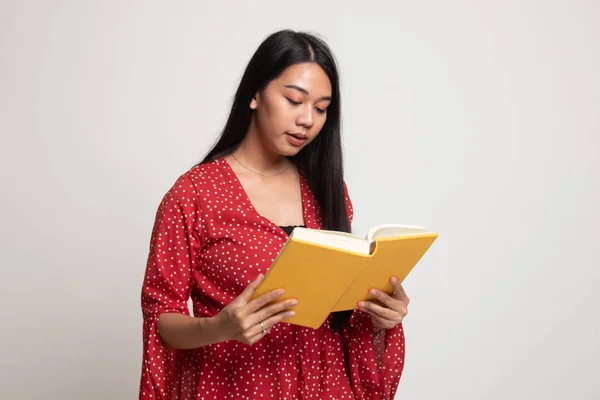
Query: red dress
x=209, y=243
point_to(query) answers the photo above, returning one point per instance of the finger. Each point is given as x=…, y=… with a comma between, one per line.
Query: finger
x=375, y=309
x=255, y=332
x=270, y=310
x=246, y=295
x=384, y=298
x=382, y=323
x=262, y=301
x=399, y=292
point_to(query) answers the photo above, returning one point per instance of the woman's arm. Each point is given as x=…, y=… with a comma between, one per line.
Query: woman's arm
x=243, y=320
x=379, y=344
x=181, y=331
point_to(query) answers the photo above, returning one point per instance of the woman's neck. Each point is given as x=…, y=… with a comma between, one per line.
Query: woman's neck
x=257, y=156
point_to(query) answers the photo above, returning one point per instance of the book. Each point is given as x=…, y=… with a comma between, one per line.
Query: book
x=330, y=271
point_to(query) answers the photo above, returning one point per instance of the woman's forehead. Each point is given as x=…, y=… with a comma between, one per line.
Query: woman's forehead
x=307, y=77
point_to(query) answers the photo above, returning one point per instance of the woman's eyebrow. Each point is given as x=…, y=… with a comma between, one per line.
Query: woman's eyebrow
x=300, y=89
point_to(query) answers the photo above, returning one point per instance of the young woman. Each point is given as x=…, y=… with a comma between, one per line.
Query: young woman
x=277, y=165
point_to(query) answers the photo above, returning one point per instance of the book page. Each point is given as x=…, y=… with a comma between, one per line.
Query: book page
x=338, y=240
x=394, y=230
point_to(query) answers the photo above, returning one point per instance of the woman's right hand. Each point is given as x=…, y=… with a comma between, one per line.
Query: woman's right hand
x=241, y=319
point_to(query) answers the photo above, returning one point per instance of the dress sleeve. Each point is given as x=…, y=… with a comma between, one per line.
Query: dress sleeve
x=367, y=380
x=167, y=285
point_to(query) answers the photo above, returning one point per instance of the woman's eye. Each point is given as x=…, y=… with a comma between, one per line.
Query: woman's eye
x=296, y=103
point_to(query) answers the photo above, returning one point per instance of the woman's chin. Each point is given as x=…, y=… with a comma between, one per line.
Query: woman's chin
x=288, y=150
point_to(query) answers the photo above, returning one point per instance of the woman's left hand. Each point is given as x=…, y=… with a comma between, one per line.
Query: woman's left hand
x=393, y=309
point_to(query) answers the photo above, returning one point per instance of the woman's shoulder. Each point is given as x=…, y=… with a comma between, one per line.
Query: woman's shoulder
x=197, y=179
x=205, y=173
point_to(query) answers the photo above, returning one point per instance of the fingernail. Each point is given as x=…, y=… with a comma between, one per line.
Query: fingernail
x=394, y=279
x=291, y=314
x=361, y=304
x=372, y=292
x=294, y=302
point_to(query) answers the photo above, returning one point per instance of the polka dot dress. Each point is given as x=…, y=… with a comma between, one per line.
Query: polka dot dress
x=208, y=243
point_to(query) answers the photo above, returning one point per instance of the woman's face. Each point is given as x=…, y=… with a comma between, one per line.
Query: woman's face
x=292, y=109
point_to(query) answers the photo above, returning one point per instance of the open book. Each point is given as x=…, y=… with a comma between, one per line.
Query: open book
x=331, y=271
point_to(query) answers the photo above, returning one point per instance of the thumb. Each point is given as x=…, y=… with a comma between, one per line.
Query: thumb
x=400, y=294
x=251, y=288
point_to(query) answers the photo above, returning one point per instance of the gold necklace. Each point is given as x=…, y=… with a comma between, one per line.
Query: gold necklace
x=256, y=172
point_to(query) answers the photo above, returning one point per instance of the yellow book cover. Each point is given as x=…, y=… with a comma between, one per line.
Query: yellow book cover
x=331, y=271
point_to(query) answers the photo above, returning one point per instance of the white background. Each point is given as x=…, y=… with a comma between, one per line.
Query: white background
x=477, y=119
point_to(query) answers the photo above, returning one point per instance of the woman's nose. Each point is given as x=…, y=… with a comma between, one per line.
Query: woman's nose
x=306, y=117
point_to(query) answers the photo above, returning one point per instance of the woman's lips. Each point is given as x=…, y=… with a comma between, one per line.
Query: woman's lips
x=296, y=139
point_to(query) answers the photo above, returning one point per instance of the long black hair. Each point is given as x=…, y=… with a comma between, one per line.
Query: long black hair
x=320, y=161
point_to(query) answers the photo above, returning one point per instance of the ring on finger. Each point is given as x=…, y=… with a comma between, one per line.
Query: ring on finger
x=263, y=328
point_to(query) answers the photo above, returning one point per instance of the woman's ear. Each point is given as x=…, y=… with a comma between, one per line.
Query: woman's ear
x=254, y=102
